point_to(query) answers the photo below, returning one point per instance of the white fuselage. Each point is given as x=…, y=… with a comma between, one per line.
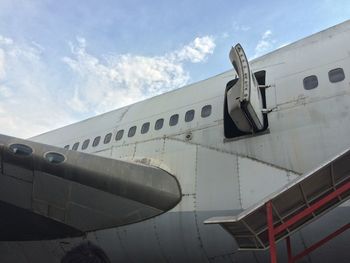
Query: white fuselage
x=220, y=176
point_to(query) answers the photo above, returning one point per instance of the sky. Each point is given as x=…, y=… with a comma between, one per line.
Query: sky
x=65, y=61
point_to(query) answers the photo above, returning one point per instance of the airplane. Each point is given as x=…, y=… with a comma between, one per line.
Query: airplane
x=186, y=176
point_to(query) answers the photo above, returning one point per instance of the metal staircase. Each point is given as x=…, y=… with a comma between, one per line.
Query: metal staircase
x=291, y=208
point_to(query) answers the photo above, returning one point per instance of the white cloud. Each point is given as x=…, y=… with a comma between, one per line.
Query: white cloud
x=265, y=44
x=236, y=28
x=28, y=103
x=197, y=50
x=225, y=35
x=5, y=91
x=239, y=27
x=5, y=40
x=2, y=64
x=267, y=34
x=35, y=98
x=118, y=80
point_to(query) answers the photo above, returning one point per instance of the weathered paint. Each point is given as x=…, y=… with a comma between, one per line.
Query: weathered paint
x=306, y=127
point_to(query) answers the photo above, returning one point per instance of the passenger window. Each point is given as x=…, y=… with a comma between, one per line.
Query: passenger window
x=107, y=138
x=66, y=147
x=119, y=135
x=336, y=75
x=145, y=128
x=96, y=141
x=75, y=146
x=85, y=144
x=174, y=119
x=206, y=111
x=189, y=115
x=310, y=82
x=159, y=124
x=132, y=131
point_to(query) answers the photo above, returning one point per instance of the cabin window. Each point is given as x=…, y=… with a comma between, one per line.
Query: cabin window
x=132, y=131
x=85, y=144
x=189, y=116
x=96, y=141
x=66, y=147
x=336, y=75
x=75, y=146
x=310, y=82
x=206, y=111
x=55, y=158
x=107, y=138
x=174, y=120
x=159, y=124
x=20, y=149
x=119, y=135
x=145, y=128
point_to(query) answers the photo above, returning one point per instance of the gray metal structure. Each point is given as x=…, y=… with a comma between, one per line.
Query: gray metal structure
x=207, y=167
x=47, y=192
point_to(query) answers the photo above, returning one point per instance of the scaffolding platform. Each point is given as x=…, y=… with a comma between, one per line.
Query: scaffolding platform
x=295, y=205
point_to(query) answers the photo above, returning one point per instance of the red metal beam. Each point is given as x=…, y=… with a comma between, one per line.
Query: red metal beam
x=321, y=242
x=312, y=208
x=272, y=231
x=269, y=216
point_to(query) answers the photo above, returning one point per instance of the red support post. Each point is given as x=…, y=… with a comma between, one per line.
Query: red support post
x=272, y=231
x=273, y=255
x=289, y=250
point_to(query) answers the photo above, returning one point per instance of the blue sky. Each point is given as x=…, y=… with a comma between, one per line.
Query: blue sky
x=63, y=61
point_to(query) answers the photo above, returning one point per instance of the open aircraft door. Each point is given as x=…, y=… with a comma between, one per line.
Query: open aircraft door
x=244, y=101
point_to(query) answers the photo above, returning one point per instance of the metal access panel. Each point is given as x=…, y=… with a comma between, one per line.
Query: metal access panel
x=318, y=192
x=244, y=98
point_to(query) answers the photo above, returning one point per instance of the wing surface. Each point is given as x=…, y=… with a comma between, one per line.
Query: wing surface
x=48, y=192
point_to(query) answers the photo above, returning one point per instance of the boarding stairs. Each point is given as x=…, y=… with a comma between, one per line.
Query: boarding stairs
x=288, y=210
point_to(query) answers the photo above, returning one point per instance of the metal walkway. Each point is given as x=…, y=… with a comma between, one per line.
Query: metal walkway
x=292, y=207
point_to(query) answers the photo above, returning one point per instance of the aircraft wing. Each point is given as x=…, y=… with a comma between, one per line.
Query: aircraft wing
x=48, y=192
